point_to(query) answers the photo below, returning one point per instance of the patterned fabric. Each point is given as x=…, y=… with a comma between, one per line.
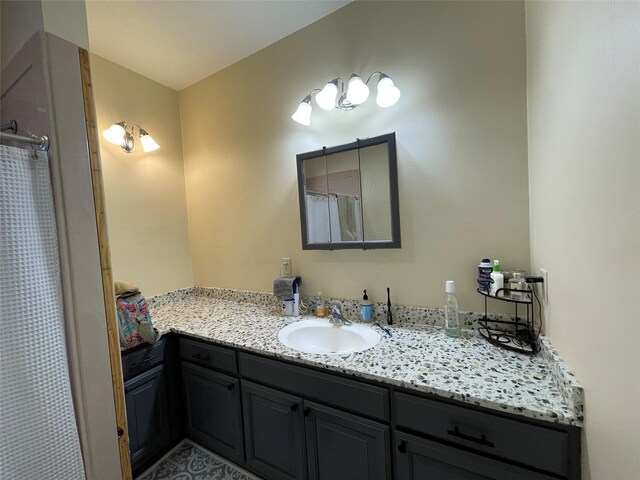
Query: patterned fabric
x=189, y=462
x=134, y=321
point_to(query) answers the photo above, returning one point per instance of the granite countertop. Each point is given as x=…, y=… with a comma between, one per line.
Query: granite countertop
x=418, y=357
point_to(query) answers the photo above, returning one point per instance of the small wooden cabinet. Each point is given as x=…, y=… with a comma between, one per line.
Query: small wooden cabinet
x=212, y=410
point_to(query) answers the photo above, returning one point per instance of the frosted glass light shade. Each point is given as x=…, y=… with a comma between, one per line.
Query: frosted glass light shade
x=115, y=134
x=388, y=93
x=303, y=113
x=326, y=98
x=148, y=143
x=357, y=91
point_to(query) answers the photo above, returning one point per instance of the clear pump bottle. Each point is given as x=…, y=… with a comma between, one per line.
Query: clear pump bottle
x=451, y=316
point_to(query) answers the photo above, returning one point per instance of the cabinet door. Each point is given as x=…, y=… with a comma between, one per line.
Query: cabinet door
x=274, y=438
x=147, y=414
x=421, y=459
x=341, y=446
x=212, y=410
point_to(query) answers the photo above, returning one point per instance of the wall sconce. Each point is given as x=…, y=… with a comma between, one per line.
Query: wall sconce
x=357, y=93
x=118, y=135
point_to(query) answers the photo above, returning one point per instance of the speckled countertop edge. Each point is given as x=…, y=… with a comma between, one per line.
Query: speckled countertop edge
x=469, y=370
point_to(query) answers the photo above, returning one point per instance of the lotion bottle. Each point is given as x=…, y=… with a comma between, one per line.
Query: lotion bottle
x=497, y=279
x=366, y=308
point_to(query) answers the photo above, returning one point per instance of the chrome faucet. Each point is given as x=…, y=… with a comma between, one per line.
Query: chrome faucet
x=336, y=317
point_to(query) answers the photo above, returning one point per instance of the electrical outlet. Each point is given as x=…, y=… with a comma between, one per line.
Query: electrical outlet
x=286, y=267
x=545, y=285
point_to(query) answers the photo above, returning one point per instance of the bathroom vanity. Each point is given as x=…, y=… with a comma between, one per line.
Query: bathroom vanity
x=415, y=406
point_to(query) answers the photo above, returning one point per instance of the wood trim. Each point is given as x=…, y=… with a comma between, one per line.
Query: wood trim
x=105, y=264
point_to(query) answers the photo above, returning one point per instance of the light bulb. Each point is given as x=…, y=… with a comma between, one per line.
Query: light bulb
x=303, y=113
x=388, y=93
x=116, y=133
x=357, y=91
x=148, y=143
x=326, y=98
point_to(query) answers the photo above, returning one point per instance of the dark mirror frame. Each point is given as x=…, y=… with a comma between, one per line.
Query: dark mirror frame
x=390, y=140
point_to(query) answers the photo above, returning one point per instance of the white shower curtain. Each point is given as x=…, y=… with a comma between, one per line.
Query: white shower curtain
x=322, y=212
x=39, y=437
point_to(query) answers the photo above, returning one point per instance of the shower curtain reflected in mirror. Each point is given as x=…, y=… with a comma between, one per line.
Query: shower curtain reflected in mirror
x=335, y=218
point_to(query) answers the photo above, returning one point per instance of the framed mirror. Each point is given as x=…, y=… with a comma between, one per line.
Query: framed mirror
x=349, y=195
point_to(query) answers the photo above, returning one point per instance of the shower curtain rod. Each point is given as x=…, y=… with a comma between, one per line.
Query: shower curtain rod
x=41, y=142
x=311, y=192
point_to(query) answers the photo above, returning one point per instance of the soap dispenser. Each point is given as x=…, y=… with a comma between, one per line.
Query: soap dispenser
x=366, y=308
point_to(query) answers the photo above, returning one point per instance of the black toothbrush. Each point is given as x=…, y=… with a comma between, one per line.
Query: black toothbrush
x=389, y=316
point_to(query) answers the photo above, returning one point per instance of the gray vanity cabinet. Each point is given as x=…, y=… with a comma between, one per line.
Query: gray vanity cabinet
x=422, y=459
x=289, y=434
x=147, y=414
x=153, y=408
x=213, y=414
x=274, y=434
x=341, y=446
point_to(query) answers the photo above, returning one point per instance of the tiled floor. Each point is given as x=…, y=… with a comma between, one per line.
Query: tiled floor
x=189, y=461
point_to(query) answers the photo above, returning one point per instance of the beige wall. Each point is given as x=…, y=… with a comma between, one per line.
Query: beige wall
x=145, y=192
x=584, y=170
x=462, y=151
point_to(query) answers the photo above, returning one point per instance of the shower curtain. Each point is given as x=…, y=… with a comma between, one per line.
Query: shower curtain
x=327, y=220
x=39, y=437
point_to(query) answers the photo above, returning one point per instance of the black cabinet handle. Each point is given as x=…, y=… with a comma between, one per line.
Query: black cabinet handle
x=230, y=386
x=294, y=407
x=146, y=360
x=306, y=412
x=481, y=441
x=402, y=447
x=199, y=356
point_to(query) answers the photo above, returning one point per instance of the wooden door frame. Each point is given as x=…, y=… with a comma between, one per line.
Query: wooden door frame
x=105, y=265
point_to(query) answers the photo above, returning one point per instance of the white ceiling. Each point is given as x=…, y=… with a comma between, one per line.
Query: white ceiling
x=178, y=43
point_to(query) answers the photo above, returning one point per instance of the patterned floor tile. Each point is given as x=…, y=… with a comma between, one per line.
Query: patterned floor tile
x=190, y=462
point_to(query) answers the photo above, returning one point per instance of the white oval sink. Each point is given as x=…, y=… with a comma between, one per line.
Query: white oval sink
x=320, y=336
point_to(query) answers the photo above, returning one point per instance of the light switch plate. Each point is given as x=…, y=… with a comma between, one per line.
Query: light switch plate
x=286, y=267
x=545, y=285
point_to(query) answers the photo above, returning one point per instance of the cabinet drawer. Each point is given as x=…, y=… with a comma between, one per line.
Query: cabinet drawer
x=142, y=359
x=420, y=459
x=543, y=448
x=343, y=393
x=207, y=355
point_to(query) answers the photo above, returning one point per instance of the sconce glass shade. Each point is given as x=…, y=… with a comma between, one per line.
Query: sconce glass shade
x=115, y=133
x=326, y=98
x=303, y=113
x=357, y=91
x=388, y=93
x=148, y=143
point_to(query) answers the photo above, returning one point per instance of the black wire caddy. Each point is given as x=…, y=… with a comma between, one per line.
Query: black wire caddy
x=520, y=334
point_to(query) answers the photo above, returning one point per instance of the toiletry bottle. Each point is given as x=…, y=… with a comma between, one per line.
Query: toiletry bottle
x=484, y=275
x=497, y=279
x=516, y=285
x=366, y=308
x=321, y=307
x=296, y=304
x=451, y=318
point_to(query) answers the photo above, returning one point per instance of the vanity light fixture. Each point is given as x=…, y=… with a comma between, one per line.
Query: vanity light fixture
x=357, y=93
x=118, y=135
